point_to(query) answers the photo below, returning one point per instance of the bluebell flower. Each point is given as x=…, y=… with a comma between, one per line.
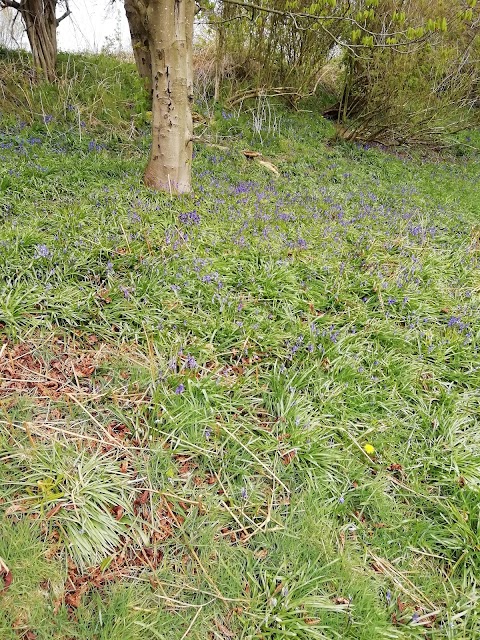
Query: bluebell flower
x=42, y=251
x=190, y=363
x=191, y=217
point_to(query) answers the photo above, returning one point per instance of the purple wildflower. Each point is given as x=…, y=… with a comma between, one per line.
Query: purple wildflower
x=180, y=389
x=42, y=251
x=191, y=217
x=190, y=363
x=458, y=323
x=243, y=187
x=93, y=146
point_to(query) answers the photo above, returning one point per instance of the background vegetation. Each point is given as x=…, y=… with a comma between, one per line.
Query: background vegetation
x=393, y=72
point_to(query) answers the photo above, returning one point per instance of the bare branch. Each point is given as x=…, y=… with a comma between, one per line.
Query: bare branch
x=10, y=3
x=66, y=14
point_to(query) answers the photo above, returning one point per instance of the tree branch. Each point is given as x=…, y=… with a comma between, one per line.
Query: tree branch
x=293, y=15
x=66, y=14
x=10, y=3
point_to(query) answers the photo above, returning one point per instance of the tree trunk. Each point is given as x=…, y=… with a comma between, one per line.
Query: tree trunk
x=39, y=17
x=219, y=55
x=139, y=35
x=170, y=29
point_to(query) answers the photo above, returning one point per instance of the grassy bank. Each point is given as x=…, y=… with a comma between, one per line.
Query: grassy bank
x=188, y=385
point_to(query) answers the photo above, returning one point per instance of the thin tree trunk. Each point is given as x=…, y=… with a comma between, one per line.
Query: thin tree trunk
x=141, y=48
x=219, y=55
x=170, y=27
x=40, y=22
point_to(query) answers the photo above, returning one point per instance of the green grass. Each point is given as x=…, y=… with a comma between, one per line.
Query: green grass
x=187, y=385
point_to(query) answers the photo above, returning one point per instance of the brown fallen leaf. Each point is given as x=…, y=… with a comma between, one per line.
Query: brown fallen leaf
x=53, y=511
x=225, y=631
x=7, y=579
x=104, y=296
x=395, y=467
x=289, y=456
x=73, y=599
x=84, y=370
x=6, y=574
x=118, y=512
x=15, y=508
x=143, y=497
x=401, y=605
